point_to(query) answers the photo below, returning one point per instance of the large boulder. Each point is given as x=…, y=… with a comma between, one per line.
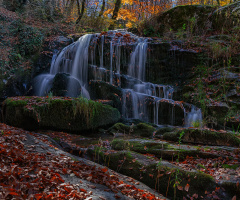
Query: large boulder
x=193, y=16
x=71, y=114
x=226, y=17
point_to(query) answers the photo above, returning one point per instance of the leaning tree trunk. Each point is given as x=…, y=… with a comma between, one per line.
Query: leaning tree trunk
x=80, y=13
x=115, y=14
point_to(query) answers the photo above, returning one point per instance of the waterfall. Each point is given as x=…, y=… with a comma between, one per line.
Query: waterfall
x=138, y=61
x=79, y=69
x=84, y=61
x=194, y=117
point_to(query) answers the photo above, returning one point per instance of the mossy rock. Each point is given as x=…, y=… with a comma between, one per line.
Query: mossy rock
x=71, y=114
x=120, y=144
x=163, y=130
x=144, y=130
x=203, y=136
x=174, y=19
x=119, y=128
x=147, y=170
x=105, y=91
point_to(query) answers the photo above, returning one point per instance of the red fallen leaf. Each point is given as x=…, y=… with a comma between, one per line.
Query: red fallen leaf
x=151, y=175
x=179, y=187
x=38, y=196
x=234, y=198
x=186, y=187
x=195, y=196
x=83, y=190
x=64, y=170
x=67, y=189
x=104, y=169
x=14, y=193
x=116, y=196
x=49, y=196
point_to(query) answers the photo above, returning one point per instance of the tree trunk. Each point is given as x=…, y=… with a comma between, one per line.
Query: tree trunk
x=115, y=14
x=102, y=9
x=80, y=13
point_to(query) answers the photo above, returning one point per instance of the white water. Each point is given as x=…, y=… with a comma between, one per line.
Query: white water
x=194, y=117
x=77, y=68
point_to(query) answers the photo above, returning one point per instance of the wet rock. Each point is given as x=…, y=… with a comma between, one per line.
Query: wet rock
x=104, y=91
x=60, y=84
x=42, y=61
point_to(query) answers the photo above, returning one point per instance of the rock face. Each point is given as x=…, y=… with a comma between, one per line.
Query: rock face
x=58, y=113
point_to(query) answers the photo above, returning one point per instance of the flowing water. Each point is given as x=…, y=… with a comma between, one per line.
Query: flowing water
x=103, y=57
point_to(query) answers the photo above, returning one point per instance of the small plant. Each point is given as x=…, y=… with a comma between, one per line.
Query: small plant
x=177, y=180
x=192, y=24
x=149, y=31
x=181, y=32
x=196, y=124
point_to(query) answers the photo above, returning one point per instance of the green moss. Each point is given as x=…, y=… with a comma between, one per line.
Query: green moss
x=161, y=131
x=119, y=128
x=119, y=144
x=144, y=130
x=171, y=136
x=12, y=103
x=226, y=166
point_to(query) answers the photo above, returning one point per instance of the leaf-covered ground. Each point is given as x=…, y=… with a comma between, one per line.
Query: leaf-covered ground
x=32, y=168
x=221, y=162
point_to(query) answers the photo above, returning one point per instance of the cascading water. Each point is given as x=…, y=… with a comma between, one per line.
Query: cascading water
x=194, y=117
x=140, y=100
x=77, y=68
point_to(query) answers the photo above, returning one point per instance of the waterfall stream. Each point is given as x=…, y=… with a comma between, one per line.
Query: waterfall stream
x=102, y=56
